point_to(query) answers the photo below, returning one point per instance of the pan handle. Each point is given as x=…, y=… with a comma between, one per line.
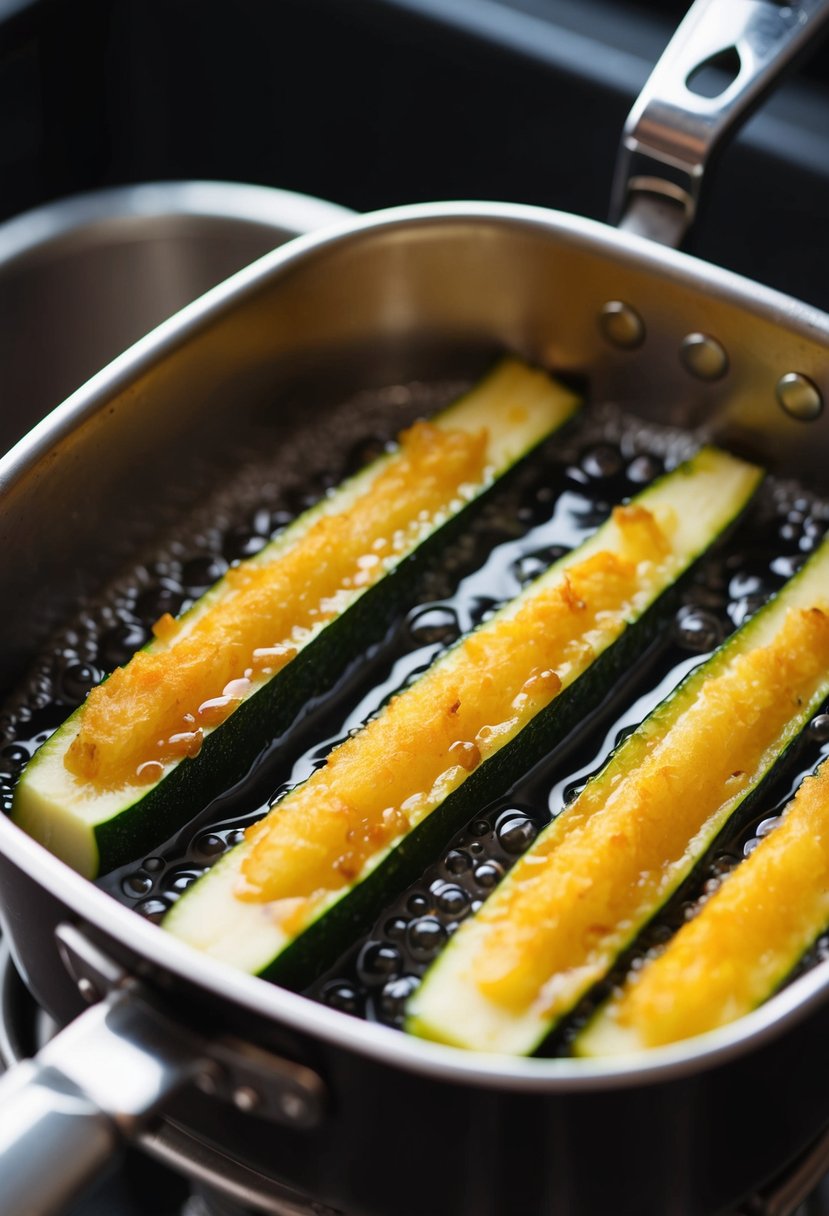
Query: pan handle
x=673, y=129
x=65, y=1115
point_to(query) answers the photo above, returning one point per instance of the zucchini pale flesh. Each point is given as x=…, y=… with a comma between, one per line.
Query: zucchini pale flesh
x=334, y=848
x=606, y=865
x=747, y=938
x=187, y=715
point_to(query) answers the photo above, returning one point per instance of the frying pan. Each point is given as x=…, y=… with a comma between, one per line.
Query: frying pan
x=272, y=1097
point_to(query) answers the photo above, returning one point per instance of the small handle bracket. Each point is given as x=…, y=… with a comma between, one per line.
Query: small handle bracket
x=672, y=129
x=254, y=1080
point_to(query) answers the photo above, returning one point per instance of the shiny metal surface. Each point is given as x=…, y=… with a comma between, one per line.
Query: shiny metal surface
x=703, y=356
x=24, y=1028
x=83, y=278
x=394, y=295
x=125, y=1058
x=44, y=1119
x=673, y=129
x=229, y=1068
x=93, y=972
x=621, y=325
x=799, y=397
x=101, y=1079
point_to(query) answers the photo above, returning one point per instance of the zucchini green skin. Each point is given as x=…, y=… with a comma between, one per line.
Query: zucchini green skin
x=150, y=815
x=421, y=1019
x=342, y=919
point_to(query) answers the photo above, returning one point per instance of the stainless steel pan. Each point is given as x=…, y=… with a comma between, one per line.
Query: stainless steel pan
x=262, y=1091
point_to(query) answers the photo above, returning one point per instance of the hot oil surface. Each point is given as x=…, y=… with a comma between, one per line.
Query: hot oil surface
x=557, y=499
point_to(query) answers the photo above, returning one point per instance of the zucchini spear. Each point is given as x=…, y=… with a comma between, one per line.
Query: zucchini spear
x=605, y=866
x=330, y=853
x=741, y=946
x=186, y=717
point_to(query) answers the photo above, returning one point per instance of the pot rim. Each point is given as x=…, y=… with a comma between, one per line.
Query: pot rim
x=79, y=219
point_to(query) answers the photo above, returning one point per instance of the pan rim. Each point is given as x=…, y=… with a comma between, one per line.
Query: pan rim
x=381, y=1044
x=78, y=218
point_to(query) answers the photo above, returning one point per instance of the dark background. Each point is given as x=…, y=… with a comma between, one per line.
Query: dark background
x=378, y=102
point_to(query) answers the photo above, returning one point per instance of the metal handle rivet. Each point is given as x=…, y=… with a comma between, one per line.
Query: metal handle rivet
x=703, y=356
x=246, y=1098
x=293, y=1106
x=88, y=990
x=799, y=397
x=621, y=325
